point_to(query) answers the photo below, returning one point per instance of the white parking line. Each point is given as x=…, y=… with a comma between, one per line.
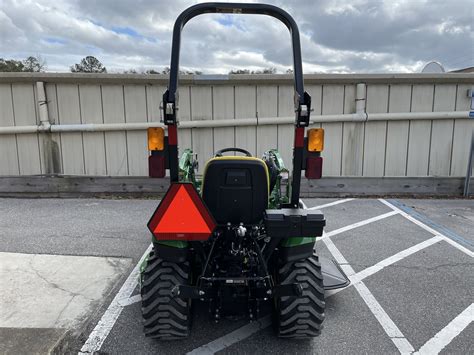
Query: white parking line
x=130, y=300
x=458, y=246
x=358, y=224
x=303, y=204
x=390, y=328
x=341, y=260
x=330, y=204
x=104, y=326
x=233, y=337
x=395, y=258
x=448, y=333
x=427, y=228
x=371, y=270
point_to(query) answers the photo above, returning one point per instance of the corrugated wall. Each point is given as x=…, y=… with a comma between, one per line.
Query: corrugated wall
x=379, y=148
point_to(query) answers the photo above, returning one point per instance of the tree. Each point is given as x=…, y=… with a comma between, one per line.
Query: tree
x=34, y=64
x=167, y=70
x=89, y=64
x=10, y=65
x=247, y=71
x=240, y=71
x=30, y=64
x=267, y=71
x=190, y=72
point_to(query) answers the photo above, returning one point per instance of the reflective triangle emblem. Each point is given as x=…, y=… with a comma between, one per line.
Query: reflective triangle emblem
x=182, y=215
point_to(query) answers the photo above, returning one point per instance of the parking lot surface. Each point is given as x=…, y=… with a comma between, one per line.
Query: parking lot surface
x=410, y=263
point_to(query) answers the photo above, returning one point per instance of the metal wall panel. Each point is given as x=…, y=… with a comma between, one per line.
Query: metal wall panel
x=55, y=138
x=267, y=106
x=24, y=110
x=115, y=142
x=9, y=164
x=375, y=132
x=201, y=109
x=442, y=131
x=69, y=112
x=463, y=130
x=397, y=131
x=246, y=107
x=419, y=139
x=185, y=139
x=154, y=97
x=286, y=108
x=375, y=148
x=94, y=142
x=332, y=103
x=223, y=108
x=352, y=138
x=136, y=111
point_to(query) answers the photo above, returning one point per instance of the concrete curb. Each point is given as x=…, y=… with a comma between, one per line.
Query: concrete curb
x=102, y=186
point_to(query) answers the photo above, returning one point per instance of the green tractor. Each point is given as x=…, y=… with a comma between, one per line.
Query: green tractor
x=239, y=238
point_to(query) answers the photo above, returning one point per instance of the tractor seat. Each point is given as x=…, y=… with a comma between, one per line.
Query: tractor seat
x=236, y=189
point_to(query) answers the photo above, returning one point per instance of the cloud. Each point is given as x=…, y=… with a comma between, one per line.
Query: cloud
x=336, y=36
x=405, y=32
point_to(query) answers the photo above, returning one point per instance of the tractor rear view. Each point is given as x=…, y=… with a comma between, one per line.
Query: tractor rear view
x=239, y=238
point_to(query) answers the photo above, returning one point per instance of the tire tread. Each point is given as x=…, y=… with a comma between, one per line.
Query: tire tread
x=301, y=317
x=164, y=317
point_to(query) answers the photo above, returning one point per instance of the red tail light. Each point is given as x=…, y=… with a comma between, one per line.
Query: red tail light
x=156, y=166
x=314, y=167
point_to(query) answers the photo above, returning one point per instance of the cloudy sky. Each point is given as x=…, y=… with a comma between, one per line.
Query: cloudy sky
x=337, y=36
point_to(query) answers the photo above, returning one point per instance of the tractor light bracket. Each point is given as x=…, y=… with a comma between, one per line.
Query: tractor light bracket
x=303, y=111
x=169, y=110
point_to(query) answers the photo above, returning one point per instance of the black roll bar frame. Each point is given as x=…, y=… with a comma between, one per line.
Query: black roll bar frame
x=302, y=99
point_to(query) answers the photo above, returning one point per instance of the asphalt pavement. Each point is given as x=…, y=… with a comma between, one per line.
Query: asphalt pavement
x=410, y=262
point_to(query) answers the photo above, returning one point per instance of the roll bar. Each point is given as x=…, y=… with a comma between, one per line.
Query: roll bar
x=302, y=99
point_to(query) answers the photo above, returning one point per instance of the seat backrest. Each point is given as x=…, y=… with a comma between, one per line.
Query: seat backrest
x=235, y=189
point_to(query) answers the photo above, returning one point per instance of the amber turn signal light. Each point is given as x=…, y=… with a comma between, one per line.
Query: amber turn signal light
x=156, y=138
x=316, y=140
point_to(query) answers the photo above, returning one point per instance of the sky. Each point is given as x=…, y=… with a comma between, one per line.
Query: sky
x=337, y=36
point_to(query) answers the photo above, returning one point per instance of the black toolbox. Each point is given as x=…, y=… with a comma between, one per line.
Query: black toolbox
x=294, y=222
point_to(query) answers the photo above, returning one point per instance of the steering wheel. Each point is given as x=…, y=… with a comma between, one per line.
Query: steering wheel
x=240, y=150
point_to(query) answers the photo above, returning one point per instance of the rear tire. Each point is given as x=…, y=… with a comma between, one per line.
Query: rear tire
x=164, y=316
x=301, y=317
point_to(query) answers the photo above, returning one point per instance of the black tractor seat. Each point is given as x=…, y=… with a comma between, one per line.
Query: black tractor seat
x=236, y=189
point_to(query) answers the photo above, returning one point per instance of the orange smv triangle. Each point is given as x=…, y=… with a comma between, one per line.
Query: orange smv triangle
x=182, y=215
